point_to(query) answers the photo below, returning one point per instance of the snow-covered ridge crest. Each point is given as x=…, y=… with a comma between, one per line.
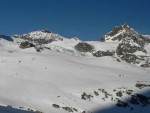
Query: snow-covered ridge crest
x=44, y=36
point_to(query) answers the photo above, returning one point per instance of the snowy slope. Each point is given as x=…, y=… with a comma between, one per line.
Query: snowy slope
x=39, y=81
x=60, y=78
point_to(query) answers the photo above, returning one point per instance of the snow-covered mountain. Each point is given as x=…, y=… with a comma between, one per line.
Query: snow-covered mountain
x=43, y=36
x=44, y=72
x=121, y=32
x=132, y=46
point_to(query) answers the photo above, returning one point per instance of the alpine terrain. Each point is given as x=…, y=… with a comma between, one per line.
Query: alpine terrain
x=43, y=72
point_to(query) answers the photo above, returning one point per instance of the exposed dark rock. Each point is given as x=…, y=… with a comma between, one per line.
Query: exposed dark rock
x=55, y=106
x=105, y=93
x=96, y=93
x=140, y=86
x=85, y=96
x=119, y=94
x=84, y=47
x=140, y=99
x=115, y=31
x=118, y=60
x=26, y=44
x=130, y=58
x=126, y=52
x=83, y=112
x=129, y=92
x=119, y=37
x=122, y=104
x=119, y=50
x=68, y=109
x=29, y=109
x=145, y=65
x=103, y=53
x=75, y=109
x=102, y=39
x=126, y=48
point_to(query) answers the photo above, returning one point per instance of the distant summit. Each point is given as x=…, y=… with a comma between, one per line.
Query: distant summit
x=121, y=32
x=43, y=36
x=131, y=44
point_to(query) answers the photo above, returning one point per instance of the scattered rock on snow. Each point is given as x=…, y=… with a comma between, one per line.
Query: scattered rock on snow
x=103, y=53
x=55, y=105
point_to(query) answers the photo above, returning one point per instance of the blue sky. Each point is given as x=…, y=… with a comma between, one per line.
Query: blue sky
x=86, y=19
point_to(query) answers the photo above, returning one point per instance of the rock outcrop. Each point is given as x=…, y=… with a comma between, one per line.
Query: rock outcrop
x=84, y=47
x=26, y=44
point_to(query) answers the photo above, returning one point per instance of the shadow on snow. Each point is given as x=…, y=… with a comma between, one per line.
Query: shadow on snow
x=137, y=103
x=8, y=38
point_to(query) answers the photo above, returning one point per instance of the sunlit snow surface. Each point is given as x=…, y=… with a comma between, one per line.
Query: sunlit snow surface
x=36, y=80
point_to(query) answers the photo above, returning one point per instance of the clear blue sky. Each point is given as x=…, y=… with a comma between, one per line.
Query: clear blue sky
x=86, y=19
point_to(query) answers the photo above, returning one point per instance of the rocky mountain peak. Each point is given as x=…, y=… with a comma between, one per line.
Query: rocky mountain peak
x=42, y=36
x=130, y=44
x=119, y=33
x=126, y=26
x=118, y=29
